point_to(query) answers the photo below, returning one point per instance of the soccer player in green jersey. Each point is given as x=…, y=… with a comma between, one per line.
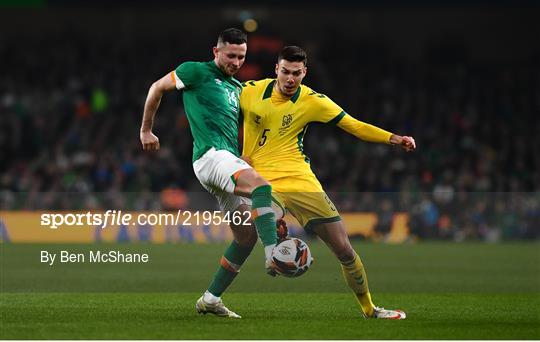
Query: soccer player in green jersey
x=211, y=101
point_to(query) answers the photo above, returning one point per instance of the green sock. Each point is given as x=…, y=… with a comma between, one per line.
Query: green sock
x=230, y=263
x=263, y=214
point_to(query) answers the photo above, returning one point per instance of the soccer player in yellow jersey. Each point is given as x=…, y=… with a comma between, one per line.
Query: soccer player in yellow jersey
x=276, y=115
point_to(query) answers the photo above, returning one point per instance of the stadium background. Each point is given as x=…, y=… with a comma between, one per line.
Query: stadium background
x=75, y=80
x=463, y=78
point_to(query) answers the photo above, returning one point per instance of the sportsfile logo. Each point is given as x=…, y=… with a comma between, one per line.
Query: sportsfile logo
x=112, y=218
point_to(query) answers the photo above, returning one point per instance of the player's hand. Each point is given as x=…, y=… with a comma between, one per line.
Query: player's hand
x=247, y=160
x=408, y=144
x=282, y=230
x=149, y=141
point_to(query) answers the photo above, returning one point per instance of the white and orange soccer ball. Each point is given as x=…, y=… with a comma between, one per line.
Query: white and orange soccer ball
x=291, y=257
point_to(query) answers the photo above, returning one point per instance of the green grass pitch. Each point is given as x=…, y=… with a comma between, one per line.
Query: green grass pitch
x=449, y=291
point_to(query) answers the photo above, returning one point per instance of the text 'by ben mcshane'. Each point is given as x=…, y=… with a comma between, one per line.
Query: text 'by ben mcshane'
x=111, y=257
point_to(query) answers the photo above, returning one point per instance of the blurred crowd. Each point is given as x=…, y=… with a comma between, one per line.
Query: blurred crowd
x=71, y=108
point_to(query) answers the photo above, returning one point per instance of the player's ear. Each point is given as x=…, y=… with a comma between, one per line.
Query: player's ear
x=215, y=51
x=277, y=68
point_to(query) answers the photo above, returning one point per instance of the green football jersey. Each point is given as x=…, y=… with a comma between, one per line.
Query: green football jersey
x=211, y=102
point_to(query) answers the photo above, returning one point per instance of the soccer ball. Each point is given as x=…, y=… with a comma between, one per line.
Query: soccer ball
x=291, y=257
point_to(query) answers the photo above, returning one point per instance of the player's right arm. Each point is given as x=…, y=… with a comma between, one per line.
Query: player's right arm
x=186, y=76
x=149, y=141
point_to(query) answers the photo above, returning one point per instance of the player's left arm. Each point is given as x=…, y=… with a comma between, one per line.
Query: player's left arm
x=326, y=110
x=368, y=132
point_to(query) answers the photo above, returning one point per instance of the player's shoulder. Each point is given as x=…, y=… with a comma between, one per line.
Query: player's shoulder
x=310, y=95
x=257, y=84
x=194, y=66
x=310, y=92
x=255, y=87
x=190, y=64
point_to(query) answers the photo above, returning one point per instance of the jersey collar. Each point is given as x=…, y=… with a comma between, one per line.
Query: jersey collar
x=216, y=68
x=270, y=87
x=224, y=75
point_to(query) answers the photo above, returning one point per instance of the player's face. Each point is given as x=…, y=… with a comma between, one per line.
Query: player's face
x=230, y=57
x=289, y=76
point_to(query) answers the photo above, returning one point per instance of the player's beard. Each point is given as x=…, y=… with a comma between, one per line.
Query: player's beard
x=228, y=69
x=232, y=70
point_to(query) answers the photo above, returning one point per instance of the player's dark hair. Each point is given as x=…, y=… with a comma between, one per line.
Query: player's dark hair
x=293, y=54
x=232, y=36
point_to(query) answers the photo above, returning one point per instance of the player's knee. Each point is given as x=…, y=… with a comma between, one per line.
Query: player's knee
x=249, y=181
x=259, y=181
x=345, y=253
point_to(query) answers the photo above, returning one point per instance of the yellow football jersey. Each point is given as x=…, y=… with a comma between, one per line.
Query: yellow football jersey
x=274, y=127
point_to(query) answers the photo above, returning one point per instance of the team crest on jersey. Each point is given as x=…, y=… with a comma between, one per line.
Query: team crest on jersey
x=285, y=124
x=257, y=119
x=287, y=119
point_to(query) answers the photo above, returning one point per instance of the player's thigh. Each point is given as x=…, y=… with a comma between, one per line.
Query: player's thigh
x=219, y=169
x=335, y=237
x=310, y=207
x=315, y=211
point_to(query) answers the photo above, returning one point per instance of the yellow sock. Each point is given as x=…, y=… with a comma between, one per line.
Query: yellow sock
x=355, y=276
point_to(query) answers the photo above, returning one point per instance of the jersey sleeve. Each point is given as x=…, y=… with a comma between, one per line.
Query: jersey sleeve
x=363, y=131
x=323, y=109
x=187, y=75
